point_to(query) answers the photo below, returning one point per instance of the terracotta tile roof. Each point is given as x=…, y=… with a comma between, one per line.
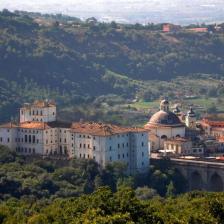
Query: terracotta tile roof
x=97, y=129
x=8, y=125
x=33, y=125
x=100, y=129
x=43, y=125
x=218, y=124
x=40, y=104
x=59, y=124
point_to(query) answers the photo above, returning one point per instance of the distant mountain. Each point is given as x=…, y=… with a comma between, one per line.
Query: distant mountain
x=128, y=11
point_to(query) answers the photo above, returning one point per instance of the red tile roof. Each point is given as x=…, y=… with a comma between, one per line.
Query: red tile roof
x=100, y=129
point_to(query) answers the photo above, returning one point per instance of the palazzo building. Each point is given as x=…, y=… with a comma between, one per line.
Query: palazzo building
x=39, y=133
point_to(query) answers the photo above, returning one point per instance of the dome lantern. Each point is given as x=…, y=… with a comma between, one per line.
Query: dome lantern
x=164, y=105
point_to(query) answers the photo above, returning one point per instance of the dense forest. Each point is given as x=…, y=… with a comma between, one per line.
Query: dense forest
x=77, y=62
x=42, y=191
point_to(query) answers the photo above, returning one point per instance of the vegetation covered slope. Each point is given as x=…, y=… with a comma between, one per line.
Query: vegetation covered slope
x=72, y=63
x=37, y=191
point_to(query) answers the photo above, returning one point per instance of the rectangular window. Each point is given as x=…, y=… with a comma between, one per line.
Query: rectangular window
x=34, y=138
x=29, y=138
x=25, y=138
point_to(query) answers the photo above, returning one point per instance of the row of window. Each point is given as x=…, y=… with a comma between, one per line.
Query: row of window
x=84, y=156
x=86, y=146
x=35, y=112
x=28, y=131
x=60, y=140
x=25, y=150
x=62, y=151
x=51, y=130
x=1, y=139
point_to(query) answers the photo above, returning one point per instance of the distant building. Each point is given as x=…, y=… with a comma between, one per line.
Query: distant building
x=198, y=30
x=39, y=133
x=167, y=28
x=212, y=128
x=178, y=146
x=181, y=147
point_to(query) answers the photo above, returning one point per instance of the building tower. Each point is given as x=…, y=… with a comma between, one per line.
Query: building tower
x=177, y=111
x=40, y=111
x=191, y=119
x=164, y=105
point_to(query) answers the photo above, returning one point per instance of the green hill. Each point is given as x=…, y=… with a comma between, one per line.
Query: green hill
x=79, y=61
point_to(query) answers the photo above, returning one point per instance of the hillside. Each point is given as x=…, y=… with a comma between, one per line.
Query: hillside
x=76, y=63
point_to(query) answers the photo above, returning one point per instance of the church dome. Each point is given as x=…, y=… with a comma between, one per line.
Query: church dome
x=166, y=118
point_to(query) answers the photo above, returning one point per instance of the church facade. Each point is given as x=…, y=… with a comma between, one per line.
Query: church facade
x=165, y=125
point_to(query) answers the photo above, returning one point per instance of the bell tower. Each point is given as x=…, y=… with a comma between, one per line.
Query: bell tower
x=191, y=119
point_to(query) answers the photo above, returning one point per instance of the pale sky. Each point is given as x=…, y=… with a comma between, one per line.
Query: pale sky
x=124, y=9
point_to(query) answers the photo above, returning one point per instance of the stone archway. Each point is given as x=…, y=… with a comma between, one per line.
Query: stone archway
x=196, y=182
x=216, y=183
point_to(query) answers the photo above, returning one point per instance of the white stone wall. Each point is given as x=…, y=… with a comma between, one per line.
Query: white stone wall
x=169, y=132
x=57, y=141
x=141, y=149
x=131, y=149
x=29, y=141
x=7, y=137
x=32, y=113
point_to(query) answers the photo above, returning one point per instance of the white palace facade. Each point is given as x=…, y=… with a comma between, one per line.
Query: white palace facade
x=39, y=133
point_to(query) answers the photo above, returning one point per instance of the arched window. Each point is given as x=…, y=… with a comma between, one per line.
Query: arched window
x=164, y=137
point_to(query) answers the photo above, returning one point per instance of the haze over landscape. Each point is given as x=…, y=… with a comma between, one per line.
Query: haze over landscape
x=128, y=11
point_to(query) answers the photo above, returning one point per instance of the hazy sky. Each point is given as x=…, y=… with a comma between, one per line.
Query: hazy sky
x=122, y=9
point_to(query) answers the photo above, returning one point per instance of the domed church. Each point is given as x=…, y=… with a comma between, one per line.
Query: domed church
x=164, y=125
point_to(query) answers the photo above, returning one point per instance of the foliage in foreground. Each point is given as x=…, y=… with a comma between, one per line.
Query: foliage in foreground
x=49, y=191
x=103, y=207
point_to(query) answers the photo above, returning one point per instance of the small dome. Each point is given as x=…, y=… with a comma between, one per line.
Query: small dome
x=191, y=113
x=165, y=118
x=176, y=110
